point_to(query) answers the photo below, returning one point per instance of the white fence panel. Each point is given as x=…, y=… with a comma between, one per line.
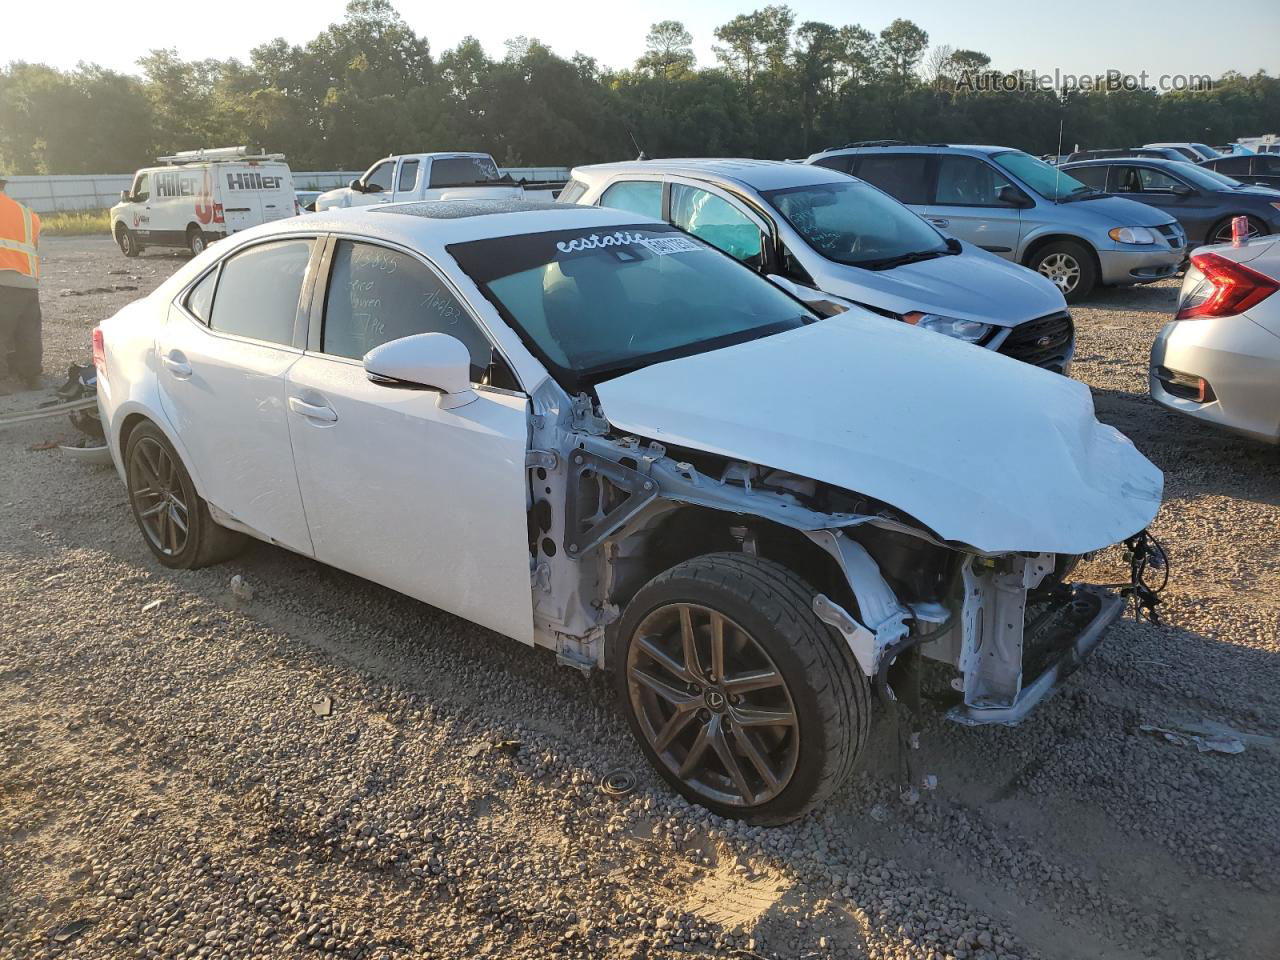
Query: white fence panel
x=96, y=191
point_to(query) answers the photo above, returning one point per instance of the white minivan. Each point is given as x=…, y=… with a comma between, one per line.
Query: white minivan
x=198, y=196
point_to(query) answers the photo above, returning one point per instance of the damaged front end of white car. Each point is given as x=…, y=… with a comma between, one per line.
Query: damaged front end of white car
x=939, y=522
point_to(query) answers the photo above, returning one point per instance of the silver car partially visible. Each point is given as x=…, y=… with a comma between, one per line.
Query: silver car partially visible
x=1219, y=360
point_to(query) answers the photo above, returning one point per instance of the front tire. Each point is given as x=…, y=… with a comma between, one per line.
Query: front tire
x=1069, y=265
x=738, y=695
x=129, y=244
x=196, y=241
x=173, y=519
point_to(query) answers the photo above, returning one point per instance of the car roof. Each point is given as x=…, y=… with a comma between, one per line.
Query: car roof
x=925, y=148
x=1148, y=161
x=757, y=174
x=433, y=224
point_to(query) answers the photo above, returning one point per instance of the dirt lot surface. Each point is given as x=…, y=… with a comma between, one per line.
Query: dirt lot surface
x=169, y=787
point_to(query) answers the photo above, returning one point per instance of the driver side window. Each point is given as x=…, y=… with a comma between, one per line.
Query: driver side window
x=1156, y=181
x=142, y=187
x=376, y=294
x=378, y=180
x=969, y=182
x=718, y=222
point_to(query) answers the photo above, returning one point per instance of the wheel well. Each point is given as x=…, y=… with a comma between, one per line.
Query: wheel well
x=130, y=424
x=1041, y=242
x=194, y=227
x=1226, y=222
x=691, y=531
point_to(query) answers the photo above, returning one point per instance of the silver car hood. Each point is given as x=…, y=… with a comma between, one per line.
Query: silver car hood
x=974, y=285
x=984, y=450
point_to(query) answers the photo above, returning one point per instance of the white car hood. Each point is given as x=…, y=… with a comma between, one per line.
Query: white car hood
x=984, y=450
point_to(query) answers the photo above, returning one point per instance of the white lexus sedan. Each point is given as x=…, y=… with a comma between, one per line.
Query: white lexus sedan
x=588, y=431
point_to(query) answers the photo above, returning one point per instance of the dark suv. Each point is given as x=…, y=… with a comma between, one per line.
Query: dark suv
x=1262, y=170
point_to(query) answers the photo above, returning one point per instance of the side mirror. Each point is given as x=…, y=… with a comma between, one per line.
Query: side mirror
x=356, y=185
x=1012, y=197
x=433, y=361
x=1181, y=190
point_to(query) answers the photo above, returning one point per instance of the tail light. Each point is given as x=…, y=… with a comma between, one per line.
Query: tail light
x=99, y=353
x=1226, y=288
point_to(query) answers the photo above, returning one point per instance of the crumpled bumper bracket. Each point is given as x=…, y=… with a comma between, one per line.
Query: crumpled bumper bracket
x=1111, y=605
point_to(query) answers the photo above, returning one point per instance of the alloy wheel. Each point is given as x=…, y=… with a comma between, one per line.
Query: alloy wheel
x=158, y=497
x=713, y=705
x=1224, y=234
x=1062, y=269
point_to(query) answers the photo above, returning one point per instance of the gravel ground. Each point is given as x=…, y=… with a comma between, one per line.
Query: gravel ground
x=171, y=786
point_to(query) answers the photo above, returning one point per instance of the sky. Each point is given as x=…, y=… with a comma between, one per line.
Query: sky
x=1081, y=37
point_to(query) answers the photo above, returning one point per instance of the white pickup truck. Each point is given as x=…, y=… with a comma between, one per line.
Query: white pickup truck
x=424, y=176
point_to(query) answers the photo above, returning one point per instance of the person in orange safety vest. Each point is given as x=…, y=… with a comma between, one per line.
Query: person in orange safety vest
x=20, y=335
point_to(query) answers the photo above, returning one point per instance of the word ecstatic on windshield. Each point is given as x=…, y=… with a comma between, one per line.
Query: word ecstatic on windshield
x=659, y=245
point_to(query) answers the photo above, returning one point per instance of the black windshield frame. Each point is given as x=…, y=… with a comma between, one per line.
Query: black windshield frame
x=486, y=260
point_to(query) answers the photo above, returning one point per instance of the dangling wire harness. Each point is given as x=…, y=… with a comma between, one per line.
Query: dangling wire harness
x=1144, y=553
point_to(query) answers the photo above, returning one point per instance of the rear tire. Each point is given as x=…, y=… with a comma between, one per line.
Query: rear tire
x=781, y=729
x=1069, y=265
x=129, y=244
x=173, y=519
x=196, y=241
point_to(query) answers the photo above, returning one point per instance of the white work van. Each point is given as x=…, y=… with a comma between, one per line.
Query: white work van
x=198, y=196
x=424, y=176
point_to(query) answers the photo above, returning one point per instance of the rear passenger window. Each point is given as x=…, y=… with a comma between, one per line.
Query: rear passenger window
x=377, y=294
x=903, y=176
x=258, y=291
x=635, y=196
x=200, y=299
x=408, y=175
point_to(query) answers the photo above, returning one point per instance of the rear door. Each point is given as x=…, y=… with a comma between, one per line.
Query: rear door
x=907, y=177
x=241, y=189
x=967, y=205
x=279, y=199
x=224, y=351
x=428, y=501
x=406, y=182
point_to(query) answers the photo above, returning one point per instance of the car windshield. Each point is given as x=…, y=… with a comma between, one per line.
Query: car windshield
x=1050, y=182
x=1206, y=151
x=462, y=171
x=596, y=302
x=852, y=222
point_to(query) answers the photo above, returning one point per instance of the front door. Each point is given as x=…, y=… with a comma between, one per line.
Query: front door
x=379, y=182
x=224, y=352
x=967, y=205
x=1191, y=207
x=428, y=501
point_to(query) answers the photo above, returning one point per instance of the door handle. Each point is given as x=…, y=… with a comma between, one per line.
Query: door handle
x=176, y=363
x=312, y=411
x=939, y=221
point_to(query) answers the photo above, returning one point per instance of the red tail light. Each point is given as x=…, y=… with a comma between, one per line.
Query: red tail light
x=1228, y=288
x=99, y=352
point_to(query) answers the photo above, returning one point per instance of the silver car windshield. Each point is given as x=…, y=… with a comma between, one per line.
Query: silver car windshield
x=591, y=303
x=1050, y=182
x=852, y=222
